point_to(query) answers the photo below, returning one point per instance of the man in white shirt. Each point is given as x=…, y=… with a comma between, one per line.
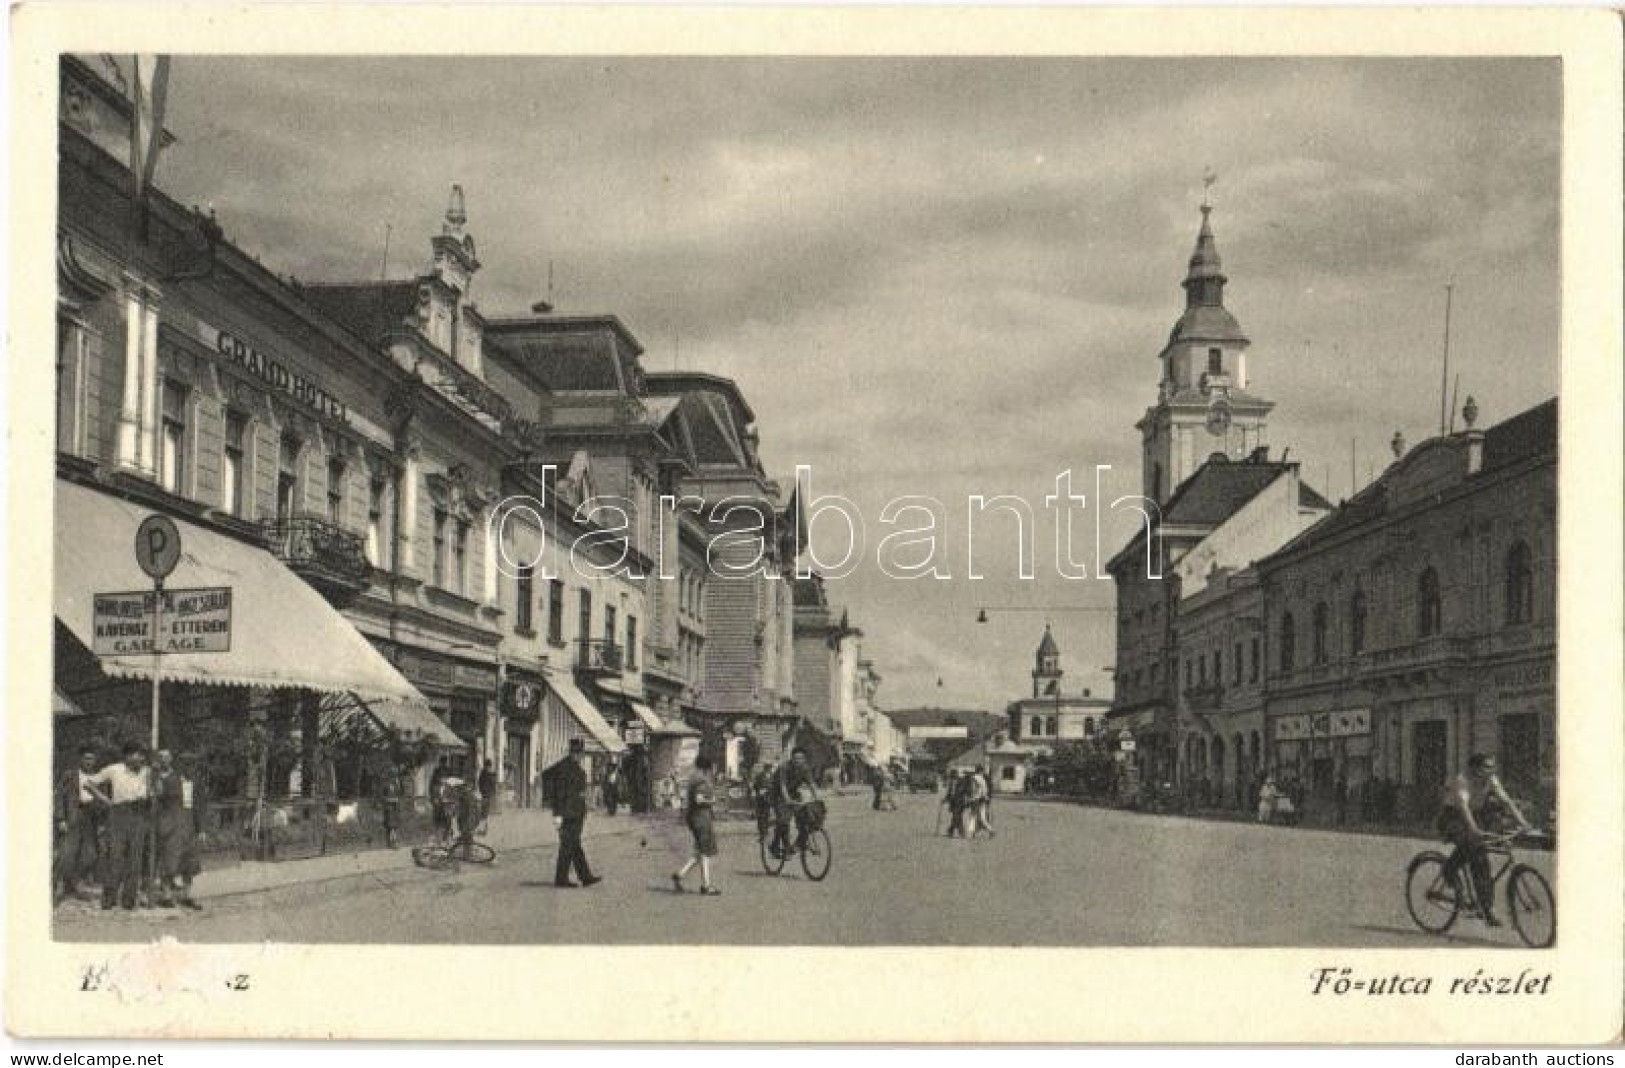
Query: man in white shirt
x=128, y=786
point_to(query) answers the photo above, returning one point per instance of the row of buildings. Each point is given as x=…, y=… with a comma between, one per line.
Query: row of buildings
x=1357, y=650
x=453, y=535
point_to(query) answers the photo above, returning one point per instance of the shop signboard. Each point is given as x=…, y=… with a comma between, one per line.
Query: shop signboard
x=636, y=734
x=189, y=621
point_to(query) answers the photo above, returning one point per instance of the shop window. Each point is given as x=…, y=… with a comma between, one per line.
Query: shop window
x=335, y=492
x=524, y=595
x=437, y=574
x=1357, y=622
x=1428, y=614
x=1288, y=642
x=555, y=611
x=1519, y=584
x=233, y=463
x=172, y=437
x=1319, y=625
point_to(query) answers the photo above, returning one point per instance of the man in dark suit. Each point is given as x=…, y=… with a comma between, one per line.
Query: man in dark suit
x=569, y=814
x=80, y=808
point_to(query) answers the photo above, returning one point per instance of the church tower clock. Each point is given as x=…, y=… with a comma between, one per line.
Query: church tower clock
x=1203, y=404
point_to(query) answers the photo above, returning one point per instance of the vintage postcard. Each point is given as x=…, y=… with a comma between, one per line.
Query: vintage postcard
x=815, y=525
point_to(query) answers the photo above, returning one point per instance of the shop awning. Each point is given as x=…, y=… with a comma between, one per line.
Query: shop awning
x=372, y=721
x=585, y=714
x=283, y=633
x=63, y=705
x=675, y=728
x=646, y=715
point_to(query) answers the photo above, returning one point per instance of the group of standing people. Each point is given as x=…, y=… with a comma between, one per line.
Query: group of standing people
x=131, y=827
x=969, y=800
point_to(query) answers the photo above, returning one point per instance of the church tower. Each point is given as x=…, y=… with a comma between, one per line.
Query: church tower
x=1047, y=666
x=1203, y=406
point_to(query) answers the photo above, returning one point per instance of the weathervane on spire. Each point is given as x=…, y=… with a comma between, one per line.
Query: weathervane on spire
x=1208, y=178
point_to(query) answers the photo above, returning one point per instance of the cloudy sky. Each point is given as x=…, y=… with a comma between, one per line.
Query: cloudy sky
x=943, y=277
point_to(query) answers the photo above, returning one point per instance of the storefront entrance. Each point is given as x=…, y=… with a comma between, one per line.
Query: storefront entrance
x=1520, y=753
x=516, y=767
x=1430, y=764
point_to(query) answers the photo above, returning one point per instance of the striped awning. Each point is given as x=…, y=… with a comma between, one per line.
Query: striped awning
x=283, y=633
x=373, y=722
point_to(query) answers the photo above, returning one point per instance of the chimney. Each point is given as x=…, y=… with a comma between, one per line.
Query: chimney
x=1260, y=455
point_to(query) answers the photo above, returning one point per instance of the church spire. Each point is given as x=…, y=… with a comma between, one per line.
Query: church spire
x=1204, y=281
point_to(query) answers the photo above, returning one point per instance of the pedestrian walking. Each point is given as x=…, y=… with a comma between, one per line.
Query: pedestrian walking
x=612, y=788
x=570, y=817
x=80, y=808
x=1267, y=795
x=127, y=785
x=440, y=812
x=984, y=812
x=390, y=802
x=699, y=813
x=955, y=800
x=175, y=797
x=488, y=791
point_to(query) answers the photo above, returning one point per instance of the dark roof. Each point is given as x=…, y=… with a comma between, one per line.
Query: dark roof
x=1046, y=645
x=1308, y=498
x=1206, y=322
x=1529, y=433
x=369, y=309
x=1219, y=489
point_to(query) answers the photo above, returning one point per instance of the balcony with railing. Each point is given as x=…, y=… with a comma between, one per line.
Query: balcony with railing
x=598, y=658
x=324, y=554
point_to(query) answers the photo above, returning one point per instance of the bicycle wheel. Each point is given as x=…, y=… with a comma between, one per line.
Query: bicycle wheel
x=770, y=864
x=816, y=857
x=478, y=853
x=1534, y=910
x=1432, y=901
x=433, y=857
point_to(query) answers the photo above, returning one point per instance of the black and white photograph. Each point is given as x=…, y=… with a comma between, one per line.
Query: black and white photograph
x=771, y=501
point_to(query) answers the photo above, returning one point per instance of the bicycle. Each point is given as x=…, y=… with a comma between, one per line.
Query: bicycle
x=1434, y=904
x=815, y=858
x=448, y=855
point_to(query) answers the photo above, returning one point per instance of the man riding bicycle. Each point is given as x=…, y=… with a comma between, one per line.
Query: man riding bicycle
x=793, y=791
x=1475, y=806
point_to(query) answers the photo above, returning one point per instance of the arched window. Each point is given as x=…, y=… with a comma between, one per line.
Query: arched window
x=1520, y=584
x=1357, y=622
x=1288, y=641
x=1427, y=604
x=1321, y=624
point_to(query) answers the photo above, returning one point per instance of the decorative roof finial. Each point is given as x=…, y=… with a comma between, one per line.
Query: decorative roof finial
x=1469, y=412
x=1398, y=444
x=456, y=215
x=1209, y=176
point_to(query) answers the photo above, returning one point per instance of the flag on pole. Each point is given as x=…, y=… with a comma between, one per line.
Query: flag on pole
x=151, y=86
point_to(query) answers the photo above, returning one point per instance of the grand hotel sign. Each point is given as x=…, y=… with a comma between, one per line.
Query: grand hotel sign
x=273, y=372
